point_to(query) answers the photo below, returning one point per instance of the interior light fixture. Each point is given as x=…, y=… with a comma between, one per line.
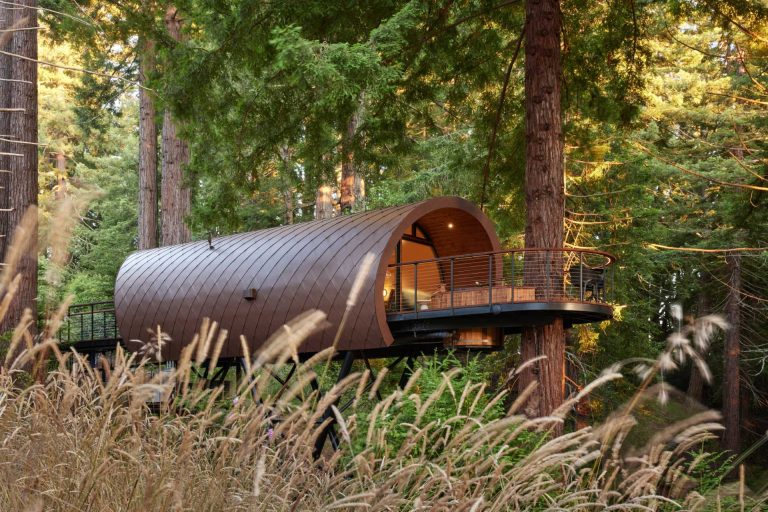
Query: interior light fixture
x=450, y=225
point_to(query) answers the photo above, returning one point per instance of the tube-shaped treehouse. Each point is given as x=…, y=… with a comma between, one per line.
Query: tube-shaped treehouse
x=439, y=278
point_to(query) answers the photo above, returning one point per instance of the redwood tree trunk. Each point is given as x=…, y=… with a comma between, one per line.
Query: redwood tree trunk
x=286, y=159
x=22, y=182
x=6, y=21
x=147, y=152
x=731, y=386
x=696, y=381
x=352, y=187
x=544, y=195
x=323, y=203
x=175, y=194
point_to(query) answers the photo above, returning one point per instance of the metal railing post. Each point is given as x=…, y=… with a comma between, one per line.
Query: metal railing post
x=416, y=289
x=490, y=281
x=512, y=278
x=547, y=280
x=613, y=282
x=581, y=276
x=452, y=259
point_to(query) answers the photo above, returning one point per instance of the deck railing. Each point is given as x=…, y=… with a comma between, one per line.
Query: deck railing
x=508, y=276
x=89, y=322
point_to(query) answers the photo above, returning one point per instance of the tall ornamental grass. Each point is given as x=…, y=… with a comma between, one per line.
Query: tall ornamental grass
x=77, y=438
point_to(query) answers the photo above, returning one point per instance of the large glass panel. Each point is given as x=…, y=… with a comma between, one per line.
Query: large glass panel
x=418, y=283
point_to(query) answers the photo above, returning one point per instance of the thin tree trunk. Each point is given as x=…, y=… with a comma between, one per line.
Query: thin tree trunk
x=61, y=176
x=696, y=380
x=352, y=186
x=22, y=183
x=323, y=203
x=286, y=158
x=731, y=386
x=175, y=194
x=147, y=152
x=544, y=196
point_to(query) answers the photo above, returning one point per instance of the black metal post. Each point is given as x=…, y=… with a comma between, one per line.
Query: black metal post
x=346, y=367
x=490, y=281
x=398, y=278
x=416, y=289
x=452, y=285
x=512, y=277
x=407, y=372
x=581, y=276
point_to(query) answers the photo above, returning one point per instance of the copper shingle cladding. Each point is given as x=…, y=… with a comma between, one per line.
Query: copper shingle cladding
x=292, y=268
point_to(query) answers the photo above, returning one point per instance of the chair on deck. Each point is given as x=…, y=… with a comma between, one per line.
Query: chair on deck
x=589, y=279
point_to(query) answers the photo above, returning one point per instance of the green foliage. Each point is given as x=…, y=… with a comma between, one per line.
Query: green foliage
x=446, y=394
x=665, y=132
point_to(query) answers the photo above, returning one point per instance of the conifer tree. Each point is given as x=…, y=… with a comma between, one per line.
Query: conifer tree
x=22, y=162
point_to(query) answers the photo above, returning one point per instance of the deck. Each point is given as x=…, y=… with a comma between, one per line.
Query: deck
x=512, y=288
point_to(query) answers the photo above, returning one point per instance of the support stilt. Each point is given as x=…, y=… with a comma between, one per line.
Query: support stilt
x=329, y=431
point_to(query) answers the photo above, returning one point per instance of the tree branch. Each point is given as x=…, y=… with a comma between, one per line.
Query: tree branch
x=497, y=121
x=698, y=174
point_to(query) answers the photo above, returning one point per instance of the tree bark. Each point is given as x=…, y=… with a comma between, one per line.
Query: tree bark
x=147, y=151
x=286, y=158
x=175, y=194
x=731, y=386
x=323, y=203
x=61, y=177
x=22, y=182
x=696, y=380
x=544, y=196
x=6, y=21
x=352, y=185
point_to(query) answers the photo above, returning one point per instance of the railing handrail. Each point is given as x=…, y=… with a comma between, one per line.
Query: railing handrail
x=85, y=304
x=610, y=257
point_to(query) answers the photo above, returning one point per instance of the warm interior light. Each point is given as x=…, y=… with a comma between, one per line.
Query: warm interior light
x=450, y=225
x=385, y=292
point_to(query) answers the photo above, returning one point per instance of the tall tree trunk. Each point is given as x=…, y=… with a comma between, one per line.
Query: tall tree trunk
x=286, y=158
x=544, y=195
x=696, y=380
x=175, y=194
x=147, y=151
x=731, y=386
x=61, y=176
x=323, y=203
x=22, y=183
x=352, y=185
x=6, y=21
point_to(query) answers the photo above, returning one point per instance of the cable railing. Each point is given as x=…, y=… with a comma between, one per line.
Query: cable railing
x=499, y=277
x=89, y=322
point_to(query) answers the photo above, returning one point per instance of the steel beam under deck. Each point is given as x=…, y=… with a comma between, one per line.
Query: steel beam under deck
x=512, y=317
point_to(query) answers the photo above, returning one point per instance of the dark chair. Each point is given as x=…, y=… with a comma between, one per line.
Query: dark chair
x=588, y=279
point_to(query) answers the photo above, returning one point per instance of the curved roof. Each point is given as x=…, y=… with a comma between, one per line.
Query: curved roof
x=293, y=268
